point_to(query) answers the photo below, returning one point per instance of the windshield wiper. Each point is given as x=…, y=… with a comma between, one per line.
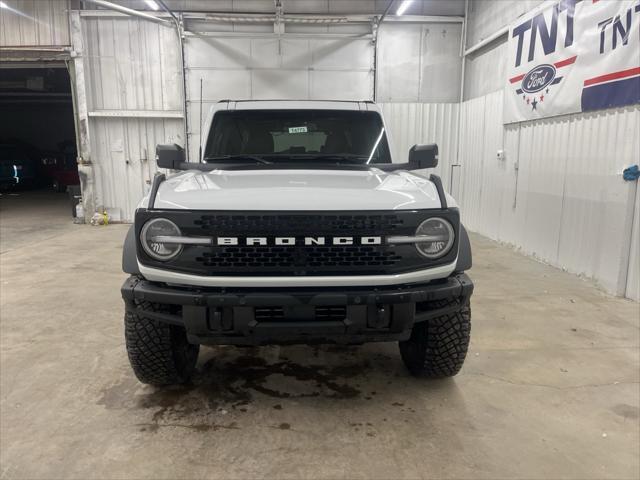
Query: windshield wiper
x=239, y=156
x=333, y=157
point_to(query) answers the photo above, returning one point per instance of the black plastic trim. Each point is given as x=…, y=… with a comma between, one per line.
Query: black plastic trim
x=129, y=258
x=157, y=180
x=302, y=165
x=464, y=252
x=220, y=316
x=437, y=181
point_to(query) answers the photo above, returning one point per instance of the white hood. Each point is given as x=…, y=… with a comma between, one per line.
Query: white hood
x=293, y=189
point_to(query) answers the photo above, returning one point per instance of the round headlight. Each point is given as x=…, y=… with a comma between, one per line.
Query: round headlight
x=439, y=237
x=160, y=250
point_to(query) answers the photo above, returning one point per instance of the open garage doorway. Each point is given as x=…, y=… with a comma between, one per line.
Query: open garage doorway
x=38, y=166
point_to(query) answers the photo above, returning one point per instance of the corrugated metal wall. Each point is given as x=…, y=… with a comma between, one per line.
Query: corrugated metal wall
x=131, y=64
x=123, y=150
x=268, y=67
x=559, y=195
x=417, y=123
x=419, y=62
x=134, y=96
x=34, y=23
x=633, y=273
x=488, y=16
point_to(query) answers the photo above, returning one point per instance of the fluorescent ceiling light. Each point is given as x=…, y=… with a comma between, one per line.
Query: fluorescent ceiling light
x=152, y=4
x=403, y=7
x=3, y=5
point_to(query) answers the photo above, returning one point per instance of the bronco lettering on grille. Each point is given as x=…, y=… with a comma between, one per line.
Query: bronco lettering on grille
x=291, y=241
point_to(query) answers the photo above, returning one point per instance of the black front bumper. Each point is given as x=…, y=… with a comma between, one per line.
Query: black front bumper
x=300, y=315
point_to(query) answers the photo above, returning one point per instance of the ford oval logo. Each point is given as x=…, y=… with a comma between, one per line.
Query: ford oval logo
x=538, y=78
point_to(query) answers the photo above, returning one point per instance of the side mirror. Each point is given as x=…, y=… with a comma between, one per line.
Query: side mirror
x=169, y=156
x=423, y=156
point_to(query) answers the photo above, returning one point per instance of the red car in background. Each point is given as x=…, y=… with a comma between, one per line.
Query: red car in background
x=61, y=168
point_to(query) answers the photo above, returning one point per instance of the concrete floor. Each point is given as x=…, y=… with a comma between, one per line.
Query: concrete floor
x=550, y=388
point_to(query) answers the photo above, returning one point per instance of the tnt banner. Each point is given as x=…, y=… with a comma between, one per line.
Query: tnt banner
x=573, y=56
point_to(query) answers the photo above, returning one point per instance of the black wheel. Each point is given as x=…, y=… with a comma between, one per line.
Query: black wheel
x=159, y=353
x=437, y=347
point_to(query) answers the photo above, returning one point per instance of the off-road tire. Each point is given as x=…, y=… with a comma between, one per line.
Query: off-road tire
x=438, y=346
x=159, y=353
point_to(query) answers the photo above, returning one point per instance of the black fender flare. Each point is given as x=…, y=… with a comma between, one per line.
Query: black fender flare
x=129, y=256
x=464, y=251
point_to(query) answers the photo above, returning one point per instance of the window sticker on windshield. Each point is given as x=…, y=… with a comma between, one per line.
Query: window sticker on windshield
x=297, y=129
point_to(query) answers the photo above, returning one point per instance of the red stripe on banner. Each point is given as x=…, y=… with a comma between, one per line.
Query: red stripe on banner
x=612, y=76
x=564, y=63
x=561, y=63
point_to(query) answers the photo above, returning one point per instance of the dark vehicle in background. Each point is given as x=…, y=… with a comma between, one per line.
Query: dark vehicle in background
x=60, y=168
x=17, y=168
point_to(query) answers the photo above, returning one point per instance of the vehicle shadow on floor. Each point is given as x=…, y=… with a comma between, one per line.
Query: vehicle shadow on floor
x=232, y=384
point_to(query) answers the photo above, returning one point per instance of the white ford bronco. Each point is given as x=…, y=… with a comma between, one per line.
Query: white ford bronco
x=295, y=226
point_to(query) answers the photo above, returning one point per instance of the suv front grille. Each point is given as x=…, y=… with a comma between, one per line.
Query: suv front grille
x=268, y=314
x=331, y=313
x=328, y=313
x=298, y=259
x=296, y=224
x=289, y=257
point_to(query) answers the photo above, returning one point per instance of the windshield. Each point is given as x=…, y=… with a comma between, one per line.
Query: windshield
x=275, y=136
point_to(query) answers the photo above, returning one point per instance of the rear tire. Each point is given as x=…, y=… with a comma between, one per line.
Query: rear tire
x=438, y=347
x=159, y=353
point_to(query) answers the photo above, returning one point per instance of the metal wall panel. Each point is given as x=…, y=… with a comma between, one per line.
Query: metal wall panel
x=124, y=159
x=488, y=16
x=559, y=194
x=485, y=70
x=633, y=272
x=131, y=64
x=472, y=161
x=418, y=123
x=132, y=68
x=268, y=67
x=34, y=23
x=419, y=62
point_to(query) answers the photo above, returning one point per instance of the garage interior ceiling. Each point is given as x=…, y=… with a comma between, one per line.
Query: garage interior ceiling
x=320, y=7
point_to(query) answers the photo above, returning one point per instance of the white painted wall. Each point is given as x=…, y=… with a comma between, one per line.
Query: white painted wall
x=34, y=23
x=633, y=273
x=419, y=62
x=485, y=17
x=267, y=67
x=566, y=203
x=419, y=123
x=134, y=98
